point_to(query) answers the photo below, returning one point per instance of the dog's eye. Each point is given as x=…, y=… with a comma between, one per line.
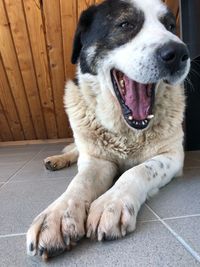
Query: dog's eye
x=125, y=25
x=171, y=27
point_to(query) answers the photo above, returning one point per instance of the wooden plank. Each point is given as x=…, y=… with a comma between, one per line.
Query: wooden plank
x=22, y=46
x=56, y=61
x=66, y=142
x=178, y=24
x=37, y=38
x=13, y=72
x=69, y=20
x=8, y=105
x=173, y=5
x=5, y=132
x=84, y=4
x=98, y=1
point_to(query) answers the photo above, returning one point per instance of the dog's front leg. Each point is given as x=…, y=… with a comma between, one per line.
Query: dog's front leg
x=63, y=222
x=113, y=214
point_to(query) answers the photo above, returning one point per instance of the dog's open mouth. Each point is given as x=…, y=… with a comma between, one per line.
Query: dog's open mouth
x=136, y=99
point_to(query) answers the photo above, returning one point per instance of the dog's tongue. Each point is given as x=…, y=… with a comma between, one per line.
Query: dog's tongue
x=137, y=98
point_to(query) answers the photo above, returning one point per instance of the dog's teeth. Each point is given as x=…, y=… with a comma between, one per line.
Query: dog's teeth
x=136, y=122
x=123, y=92
x=146, y=121
x=143, y=123
x=122, y=83
x=130, y=118
x=150, y=117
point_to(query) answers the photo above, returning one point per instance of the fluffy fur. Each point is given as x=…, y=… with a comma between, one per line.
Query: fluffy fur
x=105, y=146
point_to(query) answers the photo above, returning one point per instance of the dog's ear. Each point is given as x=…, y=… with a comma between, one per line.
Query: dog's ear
x=84, y=23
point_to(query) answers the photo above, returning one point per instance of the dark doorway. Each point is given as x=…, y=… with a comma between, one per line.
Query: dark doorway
x=193, y=107
x=190, y=29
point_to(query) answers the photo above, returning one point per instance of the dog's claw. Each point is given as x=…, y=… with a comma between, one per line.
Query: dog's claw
x=49, y=166
x=31, y=249
x=89, y=232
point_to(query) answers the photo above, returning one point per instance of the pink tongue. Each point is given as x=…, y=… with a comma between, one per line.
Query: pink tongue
x=136, y=99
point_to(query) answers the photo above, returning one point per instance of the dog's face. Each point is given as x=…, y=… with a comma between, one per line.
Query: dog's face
x=131, y=45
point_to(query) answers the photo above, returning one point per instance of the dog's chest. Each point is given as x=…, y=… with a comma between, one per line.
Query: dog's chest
x=120, y=148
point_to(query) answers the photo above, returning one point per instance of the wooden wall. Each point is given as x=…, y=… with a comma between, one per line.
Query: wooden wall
x=35, y=50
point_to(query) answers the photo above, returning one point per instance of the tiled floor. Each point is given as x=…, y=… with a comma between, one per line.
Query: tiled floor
x=167, y=234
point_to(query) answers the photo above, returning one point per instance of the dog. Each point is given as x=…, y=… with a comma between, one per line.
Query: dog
x=126, y=109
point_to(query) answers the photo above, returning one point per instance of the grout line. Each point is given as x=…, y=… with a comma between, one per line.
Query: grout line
x=21, y=168
x=46, y=179
x=12, y=235
x=170, y=218
x=181, y=217
x=178, y=237
x=147, y=221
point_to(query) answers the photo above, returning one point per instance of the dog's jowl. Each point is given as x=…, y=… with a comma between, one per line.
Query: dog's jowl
x=126, y=111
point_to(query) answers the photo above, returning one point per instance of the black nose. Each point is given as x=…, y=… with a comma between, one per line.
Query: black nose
x=173, y=56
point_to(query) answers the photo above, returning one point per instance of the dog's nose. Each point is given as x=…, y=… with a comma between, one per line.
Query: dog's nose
x=173, y=55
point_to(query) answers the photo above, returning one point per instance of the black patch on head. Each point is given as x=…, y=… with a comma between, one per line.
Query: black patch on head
x=84, y=24
x=105, y=27
x=169, y=21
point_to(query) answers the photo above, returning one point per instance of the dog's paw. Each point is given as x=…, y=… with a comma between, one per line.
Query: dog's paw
x=110, y=218
x=56, y=229
x=55, y=163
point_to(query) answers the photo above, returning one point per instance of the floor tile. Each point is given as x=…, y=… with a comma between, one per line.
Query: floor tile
x=35, y=170
x=145, y=215
x=12, y=253
x=59, y=147
x=8, y=169
x=12, y=159
x=16, y=157
x=180, y=197
x=22, y=201
x=188, y=229
x=20, y=149
x=150, y=246
x=33, y=188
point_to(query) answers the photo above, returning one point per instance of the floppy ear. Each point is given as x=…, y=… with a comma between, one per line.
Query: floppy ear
x=84, y=23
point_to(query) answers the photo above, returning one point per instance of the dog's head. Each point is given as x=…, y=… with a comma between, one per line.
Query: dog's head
x=131, y=45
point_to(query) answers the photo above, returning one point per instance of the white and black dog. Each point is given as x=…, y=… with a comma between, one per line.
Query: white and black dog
x=126, y=111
